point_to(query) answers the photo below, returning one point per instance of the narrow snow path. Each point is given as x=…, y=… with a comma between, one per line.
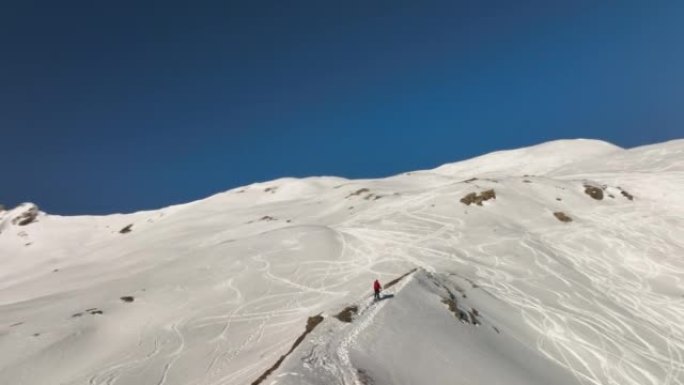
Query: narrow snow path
x=364, y=319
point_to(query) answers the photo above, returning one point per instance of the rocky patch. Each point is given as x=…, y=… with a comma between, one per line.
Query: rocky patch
x=469, y=317
x=366, y=194
x=561, y=216
x=91, y=311
x=372, y=197
x=358, y=192
x=594, y=192
x=475, y=198
x=27, y=217
x=626, y=194
x=347, y=314
x=473, y=316
x=452, y=305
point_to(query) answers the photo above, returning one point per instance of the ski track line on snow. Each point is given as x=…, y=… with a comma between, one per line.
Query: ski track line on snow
x=239, y=314
x=112, y=373
x=556, y=328
x=594, y=360
x=640, y=301
x=611, y=349
x=253, y=337
x=174, y=356
x=625, y=366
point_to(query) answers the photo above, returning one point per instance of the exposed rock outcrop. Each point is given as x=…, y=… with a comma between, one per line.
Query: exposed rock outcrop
x=478, y=198
x=594, y=192
x=27, y=217
x=561, y=216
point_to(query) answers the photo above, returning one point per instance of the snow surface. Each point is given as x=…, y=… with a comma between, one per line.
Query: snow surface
x=503, y=293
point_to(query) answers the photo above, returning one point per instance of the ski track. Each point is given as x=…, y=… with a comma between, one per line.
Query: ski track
x=637, y=340
x=614, y=352
x=225, y=350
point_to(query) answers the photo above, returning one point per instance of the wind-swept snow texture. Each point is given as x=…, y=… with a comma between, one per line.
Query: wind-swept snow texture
x=216, y=291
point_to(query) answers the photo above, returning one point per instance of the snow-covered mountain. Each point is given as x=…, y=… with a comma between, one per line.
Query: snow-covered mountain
x=561, y=263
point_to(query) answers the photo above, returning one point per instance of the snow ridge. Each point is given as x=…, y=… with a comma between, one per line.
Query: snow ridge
x=217, y=290
x=364, y=319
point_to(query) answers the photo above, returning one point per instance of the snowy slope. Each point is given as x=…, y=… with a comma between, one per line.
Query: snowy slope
x=217, y=291
x=532, y=160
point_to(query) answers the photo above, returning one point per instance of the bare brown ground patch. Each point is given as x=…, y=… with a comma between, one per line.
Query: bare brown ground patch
x=475, y=198
x=311, y=324
x=626, y=194
x=358, y=192
x=594, y=192
x=561, y=216
x=347, y=314
x=27, y=217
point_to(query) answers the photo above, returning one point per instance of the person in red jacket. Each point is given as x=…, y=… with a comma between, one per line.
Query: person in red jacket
x=376, y=289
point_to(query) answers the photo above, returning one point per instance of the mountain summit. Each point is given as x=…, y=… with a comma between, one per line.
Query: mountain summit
x=560, y=263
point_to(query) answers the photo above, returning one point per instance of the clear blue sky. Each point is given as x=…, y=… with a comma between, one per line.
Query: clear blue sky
x=126, y=105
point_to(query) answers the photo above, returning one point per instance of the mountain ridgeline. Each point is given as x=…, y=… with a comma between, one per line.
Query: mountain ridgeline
x=560, y=263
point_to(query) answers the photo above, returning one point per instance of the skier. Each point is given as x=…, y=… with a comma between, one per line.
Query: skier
x=376, y=289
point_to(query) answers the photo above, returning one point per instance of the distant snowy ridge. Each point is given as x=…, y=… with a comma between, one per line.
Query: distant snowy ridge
x=565, y=268
x=539, y=159
x=22, y=215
